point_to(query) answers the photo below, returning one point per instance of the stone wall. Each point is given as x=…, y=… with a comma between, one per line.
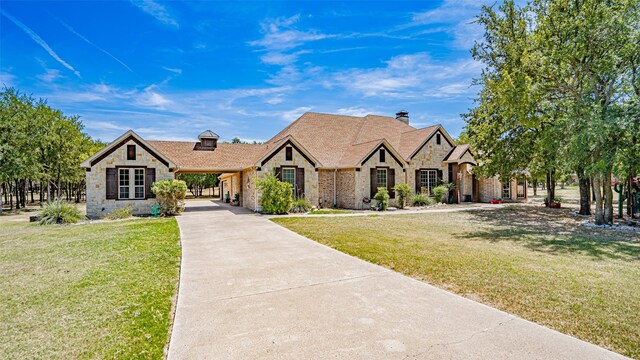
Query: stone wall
x=363, y=178
x=249, y=190
x=97, y=203
x=492, y=188
x=310, y=173
x=429, y=157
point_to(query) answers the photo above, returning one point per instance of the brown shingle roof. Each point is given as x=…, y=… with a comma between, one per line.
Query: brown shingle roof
x=334, y=140
x=457, y=152
x=224, y=157
x=339, y=140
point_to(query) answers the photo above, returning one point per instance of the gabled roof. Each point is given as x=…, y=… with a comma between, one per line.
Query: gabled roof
x=123, y=139
x=342, y=141
x=278, y=145
x=228, y=157
x=457, y=153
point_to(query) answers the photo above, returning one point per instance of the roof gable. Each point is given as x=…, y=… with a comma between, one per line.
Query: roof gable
x=122, y=140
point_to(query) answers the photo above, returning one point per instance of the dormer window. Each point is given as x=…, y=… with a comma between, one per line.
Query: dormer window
x=207, y=142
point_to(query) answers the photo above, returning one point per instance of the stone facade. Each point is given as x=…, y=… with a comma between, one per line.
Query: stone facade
x=298, y=161
x=491, y=188
x=249, y=194
x=363, y=178
x=97, y=203
x=430, y=157
x=230, y=183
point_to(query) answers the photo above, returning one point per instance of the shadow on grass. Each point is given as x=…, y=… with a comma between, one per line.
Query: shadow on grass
x=553, y=231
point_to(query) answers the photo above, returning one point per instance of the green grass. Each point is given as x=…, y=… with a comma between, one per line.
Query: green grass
x=533, y=262
x=328, y=212
x=87, y=291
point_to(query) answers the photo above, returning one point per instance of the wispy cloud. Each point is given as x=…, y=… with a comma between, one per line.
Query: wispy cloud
x=6, y=79
x=354, y=111
x=410, y=76
x=176, y=71
x=35, y=37
x=50, y=75
x=158, y=11
x=68, y=27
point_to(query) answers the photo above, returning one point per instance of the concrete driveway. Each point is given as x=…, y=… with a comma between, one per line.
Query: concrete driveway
x=250, y=289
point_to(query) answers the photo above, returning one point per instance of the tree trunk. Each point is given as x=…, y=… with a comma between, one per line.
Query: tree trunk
x=1, y=194
x=608, y=198
x=551, y=188
x=597, y=191
x=535, y=187
x=585, y=201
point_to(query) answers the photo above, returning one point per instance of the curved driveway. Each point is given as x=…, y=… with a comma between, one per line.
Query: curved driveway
x=250, y=289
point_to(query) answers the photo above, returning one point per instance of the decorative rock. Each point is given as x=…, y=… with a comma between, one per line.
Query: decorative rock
x=391, y=208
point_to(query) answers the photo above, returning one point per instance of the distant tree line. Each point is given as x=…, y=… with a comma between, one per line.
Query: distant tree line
x=196, y=183
x=560, y=95
x=40, y=152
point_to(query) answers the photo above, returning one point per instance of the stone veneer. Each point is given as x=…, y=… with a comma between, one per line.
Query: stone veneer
x=310, y=173
x=326, y=195
x=97, y=203
x=363, y=178
x=429, y=157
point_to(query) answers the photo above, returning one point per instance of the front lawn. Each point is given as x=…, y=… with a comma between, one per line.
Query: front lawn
x=87, y=291
x=533, y=262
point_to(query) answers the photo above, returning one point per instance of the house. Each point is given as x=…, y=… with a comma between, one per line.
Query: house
x=331, y=160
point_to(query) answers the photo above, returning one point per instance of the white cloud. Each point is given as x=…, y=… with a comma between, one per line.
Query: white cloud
x=158, y=11
x=291, y=115
x=35, y=37
x=150, y=97
x=354, y=111
x=50, y=75
x=410, y=76
x=177, y=71
x=279, y=34
x=6, y=79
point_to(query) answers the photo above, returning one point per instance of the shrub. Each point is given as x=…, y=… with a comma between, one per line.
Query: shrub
x=277, y=196
x=439, y=192
x=421, y=200
x=58, y=212
x=300, y=206
x=121, y=213
x=403, y=190
x=382, y=199
x=170, y=194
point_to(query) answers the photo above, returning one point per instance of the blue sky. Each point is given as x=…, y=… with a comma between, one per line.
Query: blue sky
x=170, y=70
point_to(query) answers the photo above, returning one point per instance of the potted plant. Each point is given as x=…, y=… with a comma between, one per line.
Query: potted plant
x=555, y=203
x=236, y=199
x=227, y=198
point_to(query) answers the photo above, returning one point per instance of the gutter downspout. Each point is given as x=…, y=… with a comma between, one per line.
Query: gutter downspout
x=335, y=194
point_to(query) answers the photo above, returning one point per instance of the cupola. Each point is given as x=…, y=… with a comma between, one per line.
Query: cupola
x=208, y=140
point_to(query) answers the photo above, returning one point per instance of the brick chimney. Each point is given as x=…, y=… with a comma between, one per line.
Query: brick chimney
x=403, y=116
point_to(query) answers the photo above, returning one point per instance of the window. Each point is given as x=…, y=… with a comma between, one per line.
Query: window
x=123, y=184
x=289, y=175
x=138, y=182
x=438, y=139
x=381, y=177
x=131, y=152
x=428, y=179
x=131, y=182
x=382, y=155
x=522, y=188
x=288, y=153
x=506, y=190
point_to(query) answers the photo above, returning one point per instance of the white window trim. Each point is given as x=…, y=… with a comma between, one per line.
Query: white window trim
x=429, y=185
x=386, y=177
x=132, y=183
x=508, y=184
x=294, y=174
